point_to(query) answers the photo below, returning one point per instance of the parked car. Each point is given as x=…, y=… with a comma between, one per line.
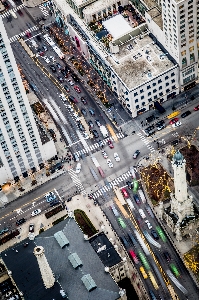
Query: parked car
x=74, y=76
x=31, y=228
x=160, y=125
x=20, y=221
x=135, y=155
x=185, y=114
x=83, y=100
x=36, y=212
x=72, y=99
x=20, y=12
x=90, y=124
x=77, y=89
x=40, y=52
x=54, y=202
x=61, y=79
x=172, y=121
x=66, y=88
x=52, y=58
x=91, y=111
x=70, y=82
x=45, y=48
x=174, y=143
x=58, y=66
x=81, y=127
x=110, y=144
x=137, y=200
x=129, y=184
x=47, y=60
x=53, y=68
x=50, y=197
x=4, y=231
x=177, y=124
x=98, y=123
x=83, y=111
x=124, y=241
x=95, y=133
x=196, y=108
x=142, y=214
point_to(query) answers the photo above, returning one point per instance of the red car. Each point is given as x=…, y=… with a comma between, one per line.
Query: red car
x=110, y=144
x=28, y=34
x=173, y=121
x=20, y=12
x=77, y=88
x=196, y=108
x=125, y=193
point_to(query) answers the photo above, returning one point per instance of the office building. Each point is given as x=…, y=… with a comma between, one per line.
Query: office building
x=22, y=149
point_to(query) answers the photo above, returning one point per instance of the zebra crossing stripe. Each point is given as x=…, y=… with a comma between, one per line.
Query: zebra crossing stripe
x=15, y=37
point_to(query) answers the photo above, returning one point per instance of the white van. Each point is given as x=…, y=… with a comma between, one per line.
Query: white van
x=78, y=168
x=13, y=14
x=142, y=214
x=142, y=197
x=129, y=202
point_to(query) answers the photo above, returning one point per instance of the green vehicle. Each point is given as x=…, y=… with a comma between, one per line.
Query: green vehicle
x=161, y=234
x=121, y=222
x=135, y=185
x=144, y=260
x=174, y=270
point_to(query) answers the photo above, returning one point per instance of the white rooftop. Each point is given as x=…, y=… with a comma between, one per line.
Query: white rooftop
x=117, y=26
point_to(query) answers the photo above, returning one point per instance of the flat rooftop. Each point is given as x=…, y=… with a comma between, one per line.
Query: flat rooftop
x=26, y=273
x=156, y=15
x=105, y=250
x=82, y=2
x=138, y=61
x=117, y=26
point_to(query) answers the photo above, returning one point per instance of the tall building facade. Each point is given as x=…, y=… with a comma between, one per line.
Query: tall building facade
x=21, y=148
x=179, y=34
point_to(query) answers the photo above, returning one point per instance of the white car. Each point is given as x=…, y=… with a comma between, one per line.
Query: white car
x=78, y=168
x=148, y=224
x=116, y=156
x=177, y=124
x=142, y=214
x=52, y=58
x=109, y=163
x=105, y=155
x=70, y=82
x=47, y=60
x=35, y=212
x=63, y=97
x=69, y=107
x=86, y=136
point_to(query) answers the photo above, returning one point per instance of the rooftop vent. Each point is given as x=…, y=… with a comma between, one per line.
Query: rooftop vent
x=149, y=75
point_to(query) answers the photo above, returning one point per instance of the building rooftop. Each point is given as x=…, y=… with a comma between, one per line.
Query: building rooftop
x=156, y=15
x=138, y=61
x=105, y=250
x=82, y=3
x=26, y=273
x=117, y=26
x=150, y=3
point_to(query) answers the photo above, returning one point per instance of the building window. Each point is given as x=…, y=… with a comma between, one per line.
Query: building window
x=141, y=91
x=167, y=83
x=160, y=94
x=150, y=99
x=160, y=80
x=166, y=77
x=136, y=100
x=172, y=74
x=160, y=87
x=155, y=97
x=173, y=87
x=192, y=57
x=149, y=94
x=154, y=83
x=191, y=48
x=143, y=103
x=142, y=97
x=148, y=87
x=173, y=80
x=137, y=106
x=135, y=94
x=191, y=41
x=182, y=21
x=154, y=91
x=167, y=91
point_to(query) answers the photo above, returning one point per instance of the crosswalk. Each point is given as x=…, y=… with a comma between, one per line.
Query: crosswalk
x=44, y=10
x=97, y=146
x=107, y=188
x=7, y=13
x=77, y=181
x=17, y=36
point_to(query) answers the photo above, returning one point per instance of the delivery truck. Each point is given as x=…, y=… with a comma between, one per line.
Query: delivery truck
x=104, y=131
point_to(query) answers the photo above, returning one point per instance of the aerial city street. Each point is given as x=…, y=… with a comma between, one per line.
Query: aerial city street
x=99, y=155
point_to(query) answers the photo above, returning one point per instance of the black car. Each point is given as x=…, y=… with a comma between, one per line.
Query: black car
x=154, y=235
x=148, y=129
x=174, y=143
x=90, y=124
x=73, y=99
x=64, y=73
x=53, y=68
x=21, y=221
x=124, y=241
x=185, y=114
x=66, y=88
x=129, y=184
x=74, y=76
x=67, y=70
x=150, y=118
x=167, y=256
x=83, y=111
x=137, y=200
x=160, y=123
x=95, y=133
